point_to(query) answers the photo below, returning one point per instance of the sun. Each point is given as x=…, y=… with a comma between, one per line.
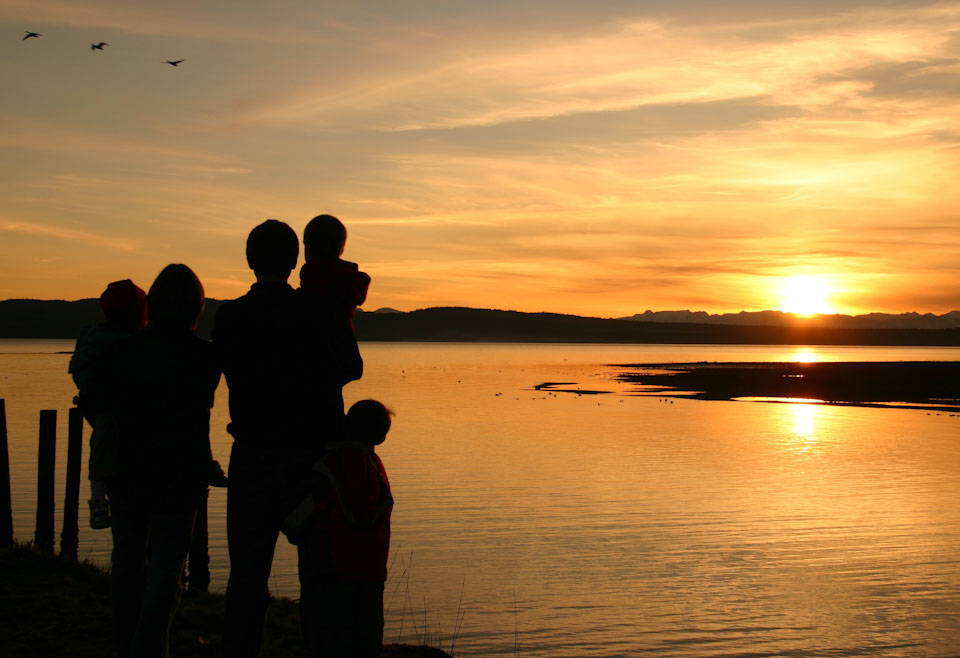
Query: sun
x=805, y=295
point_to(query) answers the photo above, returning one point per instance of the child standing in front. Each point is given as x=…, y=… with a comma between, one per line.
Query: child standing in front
x=124, y=307
x=348, y=535
x=325, y=276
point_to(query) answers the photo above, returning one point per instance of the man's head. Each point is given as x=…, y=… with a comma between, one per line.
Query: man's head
x=272, y=250
x=324, y=237
x=368, y=421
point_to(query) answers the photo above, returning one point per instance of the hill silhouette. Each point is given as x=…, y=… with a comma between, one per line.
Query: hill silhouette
x=22, y=318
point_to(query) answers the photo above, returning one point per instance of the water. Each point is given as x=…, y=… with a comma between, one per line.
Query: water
x=618, y=525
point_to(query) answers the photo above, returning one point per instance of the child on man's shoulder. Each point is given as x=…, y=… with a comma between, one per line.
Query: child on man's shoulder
x=325, y=276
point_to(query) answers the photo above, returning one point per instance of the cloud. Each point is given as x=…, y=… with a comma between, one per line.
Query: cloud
x=25, y=133
x=68, y=234
x=475, y=80
x=934, y=77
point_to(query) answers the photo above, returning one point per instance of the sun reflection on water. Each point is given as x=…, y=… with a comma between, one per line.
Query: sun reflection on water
x=802, y=427
x=804, y=416
x=804, y=355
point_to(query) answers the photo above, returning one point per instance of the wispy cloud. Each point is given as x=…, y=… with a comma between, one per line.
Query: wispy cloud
x=68, y=234
x=631, y=64
x=34, y=134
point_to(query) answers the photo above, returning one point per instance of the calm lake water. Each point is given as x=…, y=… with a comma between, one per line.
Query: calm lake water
x=618, y=525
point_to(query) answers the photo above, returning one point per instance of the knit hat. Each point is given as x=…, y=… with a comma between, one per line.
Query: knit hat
x=125, y=304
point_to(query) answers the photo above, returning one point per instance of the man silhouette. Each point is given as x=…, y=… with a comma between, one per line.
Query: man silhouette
x=285, y=363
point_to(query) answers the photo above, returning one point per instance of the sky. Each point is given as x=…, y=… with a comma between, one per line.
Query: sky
x=598, y=158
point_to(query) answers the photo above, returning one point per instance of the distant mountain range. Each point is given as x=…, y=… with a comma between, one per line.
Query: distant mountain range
x=949, y=320
x=20, y=318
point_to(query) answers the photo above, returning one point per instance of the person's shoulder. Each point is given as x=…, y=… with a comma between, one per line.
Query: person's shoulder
x=233, y=305
x=231, y=311
x=101, y=338
x=103, y=332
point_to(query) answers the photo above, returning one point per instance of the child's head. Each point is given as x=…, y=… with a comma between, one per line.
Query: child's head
x=368, y=421
x=125, y=305
x=324, y=237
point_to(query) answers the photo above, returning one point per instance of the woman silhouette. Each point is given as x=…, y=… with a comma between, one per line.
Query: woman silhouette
x=162, y=388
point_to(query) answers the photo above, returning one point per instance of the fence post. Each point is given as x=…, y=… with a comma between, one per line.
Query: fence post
x=198, y=561
x=6, y=504
x=70, y=537
x=46, y=463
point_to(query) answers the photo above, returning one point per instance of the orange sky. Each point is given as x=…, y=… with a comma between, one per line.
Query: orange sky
x=595, y=158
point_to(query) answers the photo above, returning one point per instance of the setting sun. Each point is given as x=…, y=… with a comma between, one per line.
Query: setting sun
x=805, y=295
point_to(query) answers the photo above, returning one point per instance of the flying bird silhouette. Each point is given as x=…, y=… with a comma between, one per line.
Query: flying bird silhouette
x=30, y=34
x=174, y=62
x=98, y=46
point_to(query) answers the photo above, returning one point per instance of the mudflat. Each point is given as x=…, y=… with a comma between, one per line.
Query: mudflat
x=918, y=384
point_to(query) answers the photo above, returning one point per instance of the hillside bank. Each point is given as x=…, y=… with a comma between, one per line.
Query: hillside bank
x=53, y=607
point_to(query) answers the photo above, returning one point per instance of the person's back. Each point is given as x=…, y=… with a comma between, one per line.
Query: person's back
x=169, y=378
x=253, y=336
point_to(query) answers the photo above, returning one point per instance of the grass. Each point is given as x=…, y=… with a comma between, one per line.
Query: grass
x=52, y=606
x=424, y=632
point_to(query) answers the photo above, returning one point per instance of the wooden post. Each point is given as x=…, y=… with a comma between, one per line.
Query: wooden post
x=70, y=537
x=46, y=463
x=6, y=505
x=198, y=561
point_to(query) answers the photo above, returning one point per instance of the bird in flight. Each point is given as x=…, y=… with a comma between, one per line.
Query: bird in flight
x=174, y=62
x=31, y=34
x=98, y=46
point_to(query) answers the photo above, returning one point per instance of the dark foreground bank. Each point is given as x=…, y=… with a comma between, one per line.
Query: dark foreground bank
x=53, y=607
x=918, y=384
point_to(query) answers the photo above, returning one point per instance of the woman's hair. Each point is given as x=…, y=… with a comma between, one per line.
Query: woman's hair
x=175, y=300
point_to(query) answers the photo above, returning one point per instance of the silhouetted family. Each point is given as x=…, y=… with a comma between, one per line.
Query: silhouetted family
x=299, y=464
